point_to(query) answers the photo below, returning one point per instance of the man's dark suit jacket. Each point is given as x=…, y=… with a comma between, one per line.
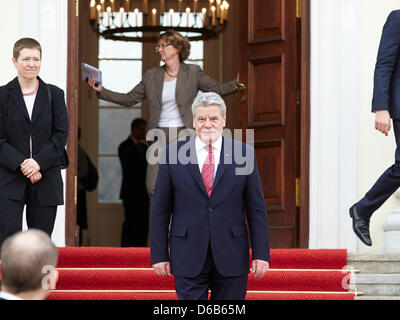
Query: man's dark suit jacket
x=198, y=220
x=48, y=129
x=133, y=162
x=387, y=70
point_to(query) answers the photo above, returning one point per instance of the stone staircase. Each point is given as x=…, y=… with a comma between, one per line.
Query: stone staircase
x=379, y=276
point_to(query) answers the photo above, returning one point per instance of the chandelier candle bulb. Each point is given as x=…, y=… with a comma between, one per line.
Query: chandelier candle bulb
x=218, y=5
x=93, y=10
x=154, y=15
x=222, y=14
x=112, y=6
x=136, y=11
x=188, y=15
x=108, y=16
x=98, y=13
x=195, y=2
x=211, y=4
x=171, y=15
x=121, y=11
x=213, y=18
x=102, y=5
x=204, y=11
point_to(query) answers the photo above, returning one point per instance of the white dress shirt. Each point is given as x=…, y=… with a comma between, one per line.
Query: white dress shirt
x=170, y=116
x=202, y=152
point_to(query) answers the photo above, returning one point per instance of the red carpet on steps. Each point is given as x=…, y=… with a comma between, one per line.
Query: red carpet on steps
x=126, y=274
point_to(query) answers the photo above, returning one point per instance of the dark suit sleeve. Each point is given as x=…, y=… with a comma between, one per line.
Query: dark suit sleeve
x=52, y=152
x=207, y=84
x=386, y=62
x=161, y=210
x=9, y=156
x=256, y=213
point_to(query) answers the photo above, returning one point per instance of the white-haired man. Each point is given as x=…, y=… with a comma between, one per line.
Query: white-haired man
x=209, y=198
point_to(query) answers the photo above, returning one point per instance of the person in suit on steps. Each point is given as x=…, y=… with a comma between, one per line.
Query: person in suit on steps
x=386, y=106
x=207, y=194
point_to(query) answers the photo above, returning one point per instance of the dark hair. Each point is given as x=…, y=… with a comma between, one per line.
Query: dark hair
x=25, y=43
x=178, y=41
x=137, y=122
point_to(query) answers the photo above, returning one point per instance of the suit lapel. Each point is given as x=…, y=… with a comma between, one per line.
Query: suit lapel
x=224, y=160
x=42, y=99
x=16, y=95
x=182, y=74
x=193, y=165
x=159, y=82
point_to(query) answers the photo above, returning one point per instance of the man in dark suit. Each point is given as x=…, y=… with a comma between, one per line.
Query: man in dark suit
x=132, y=155
x=208, y=193
x=385, y=105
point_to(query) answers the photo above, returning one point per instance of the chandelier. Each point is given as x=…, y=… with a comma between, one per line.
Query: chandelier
x=143, y=20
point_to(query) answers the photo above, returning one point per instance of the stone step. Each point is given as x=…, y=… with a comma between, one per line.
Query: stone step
x=376, y=284
x=386, y=263
x=377, y=298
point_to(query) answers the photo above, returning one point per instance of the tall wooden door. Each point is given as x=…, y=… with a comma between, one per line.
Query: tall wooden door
x=269, y=68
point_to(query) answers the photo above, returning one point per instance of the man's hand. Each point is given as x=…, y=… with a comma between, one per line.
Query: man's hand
x=162, y=269
x=259, y=268
x=36, y=177
x=382, y=121
x=30, y=167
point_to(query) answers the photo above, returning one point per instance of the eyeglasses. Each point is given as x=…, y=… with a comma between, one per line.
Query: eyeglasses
x=162, y=46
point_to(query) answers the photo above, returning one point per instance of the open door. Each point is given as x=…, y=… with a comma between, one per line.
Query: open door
x=270, y=66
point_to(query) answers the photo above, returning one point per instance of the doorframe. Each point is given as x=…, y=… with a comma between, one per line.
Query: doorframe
x=71, y=233
x=304, y=218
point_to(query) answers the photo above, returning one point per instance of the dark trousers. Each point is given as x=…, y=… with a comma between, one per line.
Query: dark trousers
x=135, y=228
x=386, y=185
x=37, y=216
x=222, y=288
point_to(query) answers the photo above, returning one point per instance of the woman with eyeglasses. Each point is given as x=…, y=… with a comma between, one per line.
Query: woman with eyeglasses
x=169, y=91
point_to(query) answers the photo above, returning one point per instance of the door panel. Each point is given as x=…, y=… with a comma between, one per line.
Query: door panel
x=268, y=67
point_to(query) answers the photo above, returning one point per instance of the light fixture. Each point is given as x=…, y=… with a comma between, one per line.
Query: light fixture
x=143, y=20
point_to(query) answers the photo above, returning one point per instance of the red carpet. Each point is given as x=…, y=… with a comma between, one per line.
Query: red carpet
x=126, y=274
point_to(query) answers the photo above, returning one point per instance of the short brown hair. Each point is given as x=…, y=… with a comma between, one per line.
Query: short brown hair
x=178, y=41
x=25, y=43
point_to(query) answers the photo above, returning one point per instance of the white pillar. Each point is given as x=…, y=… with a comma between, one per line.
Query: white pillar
x=391, y=229
x=333, y=143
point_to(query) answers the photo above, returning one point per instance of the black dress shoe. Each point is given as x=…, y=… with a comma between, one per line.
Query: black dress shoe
x=360, y=226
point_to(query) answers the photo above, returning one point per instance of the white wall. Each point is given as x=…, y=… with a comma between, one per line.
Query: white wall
x=347, y=153
x=46, y=21
x=333, y=145
x=375, y=150
x=9, y=33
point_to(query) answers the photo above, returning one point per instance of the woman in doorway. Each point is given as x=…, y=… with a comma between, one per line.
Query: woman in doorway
x=169, y=90
x=33, y=134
